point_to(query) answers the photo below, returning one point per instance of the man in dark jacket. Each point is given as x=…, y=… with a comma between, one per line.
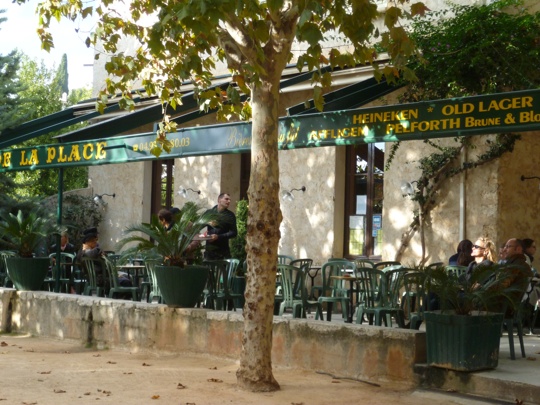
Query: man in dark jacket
x=515, y=274
x=220, y=231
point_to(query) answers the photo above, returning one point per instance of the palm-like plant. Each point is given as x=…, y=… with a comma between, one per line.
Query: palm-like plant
x=487, y=287
x=169, y=245
x=25, y=234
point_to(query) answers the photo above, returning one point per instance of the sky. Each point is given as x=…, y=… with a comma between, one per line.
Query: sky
x=66, y=40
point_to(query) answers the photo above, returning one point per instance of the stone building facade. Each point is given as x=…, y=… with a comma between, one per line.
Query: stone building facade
x=486, y=201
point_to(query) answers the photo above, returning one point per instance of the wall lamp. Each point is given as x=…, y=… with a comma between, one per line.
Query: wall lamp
x=523, y=178
x=407, y=188
x=288, y=195
x=98, y=199
x=183, y=191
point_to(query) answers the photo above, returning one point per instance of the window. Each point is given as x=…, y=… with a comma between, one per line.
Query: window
x=364, y=200
x=162, y=184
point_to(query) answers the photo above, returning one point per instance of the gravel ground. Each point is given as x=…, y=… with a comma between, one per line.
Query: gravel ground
x=37, y=371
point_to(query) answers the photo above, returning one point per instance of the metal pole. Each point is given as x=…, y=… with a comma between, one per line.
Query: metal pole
x=59, y=222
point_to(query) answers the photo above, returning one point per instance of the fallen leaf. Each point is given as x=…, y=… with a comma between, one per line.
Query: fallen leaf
x=155, y=396
x=190, y=403
x=146, y=365
x=215, y=380
x=107, y=392
x=45, y=372
x=212, y=368
x=180, y=386
x=59, y=391
x=67, y=352
x=87, y=393
x=111, y=362
x=96, y=355
x=531, y=358
x=336, y=382
x=3, y=344
x=29, y=403
x=128, y=372
x=297, y=403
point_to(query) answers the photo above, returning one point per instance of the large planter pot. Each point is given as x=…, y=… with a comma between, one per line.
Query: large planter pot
x=463, y=342
x=27, y=273
x=181, y=287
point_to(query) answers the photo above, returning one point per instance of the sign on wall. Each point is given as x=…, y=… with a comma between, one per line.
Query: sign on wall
x=486, y=114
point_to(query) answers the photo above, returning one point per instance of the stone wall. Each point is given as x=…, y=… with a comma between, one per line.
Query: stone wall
x=371, y=353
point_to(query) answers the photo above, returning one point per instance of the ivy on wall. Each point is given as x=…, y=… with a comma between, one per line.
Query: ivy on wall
x=465, y=51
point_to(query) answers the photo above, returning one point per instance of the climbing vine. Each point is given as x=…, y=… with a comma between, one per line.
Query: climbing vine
x=467, y=50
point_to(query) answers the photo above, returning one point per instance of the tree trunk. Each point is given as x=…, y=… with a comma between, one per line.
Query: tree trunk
x=264, y=218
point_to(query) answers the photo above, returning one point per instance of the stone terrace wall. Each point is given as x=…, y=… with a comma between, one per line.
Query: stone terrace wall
x=376, y=354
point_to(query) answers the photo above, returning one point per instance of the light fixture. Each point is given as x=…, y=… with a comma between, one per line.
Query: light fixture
x=523, y=178
x=98, y=199
x=407, y=188
x=183, y=191
x=288, y=195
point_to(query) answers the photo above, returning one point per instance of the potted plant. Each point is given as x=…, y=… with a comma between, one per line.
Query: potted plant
x=22, y=236
x=180, y=277
x=463, y=335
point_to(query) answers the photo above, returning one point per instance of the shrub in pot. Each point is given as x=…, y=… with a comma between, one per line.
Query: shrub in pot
x=179, y=275
x=22, y=236
x=463, y=335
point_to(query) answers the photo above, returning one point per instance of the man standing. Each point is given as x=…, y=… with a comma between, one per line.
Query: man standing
x=220, y=231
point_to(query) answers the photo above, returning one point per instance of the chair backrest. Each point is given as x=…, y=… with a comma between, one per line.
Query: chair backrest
x=218, y=276
x=149, y=265
x=88, y=266
x=288, y=276
x=434, y=265
x=372, y=286
x=383, y=265
x=231, y=271
x=304, y=265
x=111, y=272
x=394, y=283
x=284, y=259
x=456, y=271
x=415, y=300
x=335, y=268
x=364, y=263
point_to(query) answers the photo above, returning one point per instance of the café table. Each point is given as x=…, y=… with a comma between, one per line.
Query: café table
x=351, y=280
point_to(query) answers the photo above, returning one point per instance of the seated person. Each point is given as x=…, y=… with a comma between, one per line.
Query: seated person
x=90, y=248
x=463, y=255
x=517, y=273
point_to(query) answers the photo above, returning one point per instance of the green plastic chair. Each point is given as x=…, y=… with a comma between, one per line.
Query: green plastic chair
x=116, y=288
x=378, y=297
x=364, y=263
x=414, y=300
x=219, y=294
x=383, y=265
x=304, y=265
x=333, y=291
x=154, y=292
x=91, y=285
x=288, y=276
x=284, y=259
x=456, y=271
x=66, y=259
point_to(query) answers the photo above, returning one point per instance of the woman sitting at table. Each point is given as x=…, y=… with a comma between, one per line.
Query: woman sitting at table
x=484, y=254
